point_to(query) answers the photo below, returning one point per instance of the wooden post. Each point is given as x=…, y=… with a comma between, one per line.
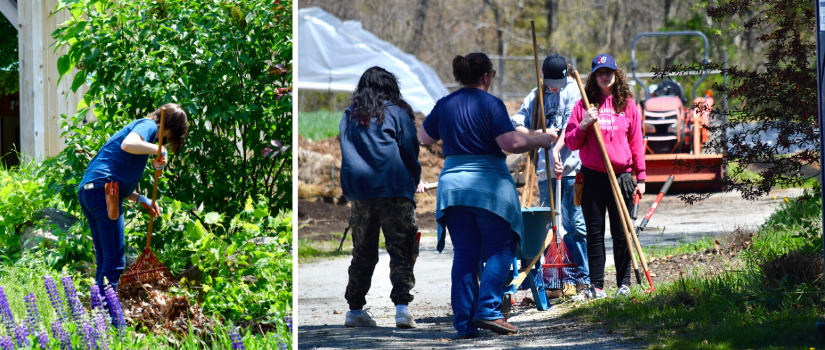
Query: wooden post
x=31, y=79
x=42, y=101
x=9, y=9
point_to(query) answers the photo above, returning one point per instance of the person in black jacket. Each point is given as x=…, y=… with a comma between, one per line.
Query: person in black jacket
x=380, y=175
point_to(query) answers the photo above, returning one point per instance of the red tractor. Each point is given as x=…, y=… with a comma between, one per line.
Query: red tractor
x=674, y=131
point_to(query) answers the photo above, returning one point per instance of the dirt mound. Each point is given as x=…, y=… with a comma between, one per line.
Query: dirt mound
x=711, y=261
x=319, y=220
x=319, y=169
x=331, y=146
x=149, y=304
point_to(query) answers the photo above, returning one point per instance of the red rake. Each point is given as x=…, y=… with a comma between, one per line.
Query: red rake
x=148, y=267
x=557, y=256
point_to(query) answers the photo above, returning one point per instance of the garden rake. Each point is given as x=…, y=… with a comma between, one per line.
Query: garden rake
x=148, y=267
x=557, y=257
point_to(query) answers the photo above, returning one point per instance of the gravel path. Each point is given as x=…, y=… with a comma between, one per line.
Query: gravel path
x=321, y=306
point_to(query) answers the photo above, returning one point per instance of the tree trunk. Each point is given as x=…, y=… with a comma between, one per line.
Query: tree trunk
x=552, y=7
x=418, y=24
x=499, y=35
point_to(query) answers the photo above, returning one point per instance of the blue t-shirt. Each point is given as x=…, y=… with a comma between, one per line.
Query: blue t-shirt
x=114, y=164
x=468, y=121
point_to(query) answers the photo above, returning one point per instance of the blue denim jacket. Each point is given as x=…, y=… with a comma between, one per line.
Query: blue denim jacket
x=481, y=181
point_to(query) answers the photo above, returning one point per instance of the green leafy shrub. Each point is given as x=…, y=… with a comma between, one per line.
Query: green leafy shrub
x=23, y=195
x=243, y=271
x=226, y=62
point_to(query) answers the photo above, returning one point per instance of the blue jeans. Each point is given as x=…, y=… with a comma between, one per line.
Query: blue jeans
x=575, y=238
x=471, y=230
x=107, y=235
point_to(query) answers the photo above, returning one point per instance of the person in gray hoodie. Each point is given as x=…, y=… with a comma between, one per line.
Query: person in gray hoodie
x=560, y=95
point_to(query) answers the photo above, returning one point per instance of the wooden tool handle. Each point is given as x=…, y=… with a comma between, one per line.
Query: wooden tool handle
x=157, y=175
x=610, y=175
x=542, y=121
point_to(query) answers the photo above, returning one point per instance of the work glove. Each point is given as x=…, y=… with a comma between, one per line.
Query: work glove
x=146, y=203
x=160, y=163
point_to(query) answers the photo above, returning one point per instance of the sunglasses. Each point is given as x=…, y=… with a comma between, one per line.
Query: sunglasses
x=604, y=73
x=492, y=73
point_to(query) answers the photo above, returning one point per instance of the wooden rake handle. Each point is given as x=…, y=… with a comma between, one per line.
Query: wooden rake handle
x=157, y=175
x=624, y=217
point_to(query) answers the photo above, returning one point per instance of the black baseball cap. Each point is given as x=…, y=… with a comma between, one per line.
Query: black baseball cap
x=554, y=71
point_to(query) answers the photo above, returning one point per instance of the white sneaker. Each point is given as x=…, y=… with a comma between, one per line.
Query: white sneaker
x=624, y=291
x=592, y=293
x=362, y=320
x=403, y=319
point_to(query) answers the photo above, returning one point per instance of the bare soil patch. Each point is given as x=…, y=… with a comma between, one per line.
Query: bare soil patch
x=723, y=256
x=320, y=220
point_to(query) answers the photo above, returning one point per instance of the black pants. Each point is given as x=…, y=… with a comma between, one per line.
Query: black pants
x=597, y=196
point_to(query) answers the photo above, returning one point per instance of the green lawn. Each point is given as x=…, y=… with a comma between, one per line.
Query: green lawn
x=740, y=308
x=316, y=126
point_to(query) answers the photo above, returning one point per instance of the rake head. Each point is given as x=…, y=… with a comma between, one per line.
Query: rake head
x=557, y=260
x=146, y=268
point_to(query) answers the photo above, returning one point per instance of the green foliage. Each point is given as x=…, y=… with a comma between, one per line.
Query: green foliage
x=316, y=126
x=247, y=266
x=736, y=308
x=9, y=58
x=23, y=195
x=243, y=263
x=801, y=216
x=226, y=62
x=244, y=269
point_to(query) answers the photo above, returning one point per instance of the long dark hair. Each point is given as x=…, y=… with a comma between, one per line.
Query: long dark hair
x=376, y=86
x=621, y=91
x=175, y=121
x=469, y=69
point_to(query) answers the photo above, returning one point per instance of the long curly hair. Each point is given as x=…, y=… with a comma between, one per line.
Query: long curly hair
x=376, y=86
x=621, y=91
x=175, y=122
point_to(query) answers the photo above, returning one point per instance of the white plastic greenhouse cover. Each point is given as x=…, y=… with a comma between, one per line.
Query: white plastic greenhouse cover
x=332, y=55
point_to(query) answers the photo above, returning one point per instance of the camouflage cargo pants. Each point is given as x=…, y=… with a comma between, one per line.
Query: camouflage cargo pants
x=396, y=217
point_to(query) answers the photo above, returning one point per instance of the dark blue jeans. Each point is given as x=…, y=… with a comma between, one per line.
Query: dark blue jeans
x=107, y=234
x=471, y=230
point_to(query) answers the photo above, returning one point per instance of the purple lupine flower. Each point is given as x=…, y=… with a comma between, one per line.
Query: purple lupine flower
x=6, y=343
x=96, y=299
x=43, y=339
x=101, y=327
x=60, y=334
x=5, y=313
x=21, y=336
x=75, y=307
x=237, y=341
x=54, y=297
x=89, y=335
x=281, y=346
x=33, y=321
x=114, y=309
x=288, y=320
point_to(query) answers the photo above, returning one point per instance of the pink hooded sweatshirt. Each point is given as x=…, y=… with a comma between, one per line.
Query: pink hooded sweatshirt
x=622, y=136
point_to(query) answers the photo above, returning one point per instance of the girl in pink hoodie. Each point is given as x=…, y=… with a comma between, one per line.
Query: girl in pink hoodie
x=619, y=122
